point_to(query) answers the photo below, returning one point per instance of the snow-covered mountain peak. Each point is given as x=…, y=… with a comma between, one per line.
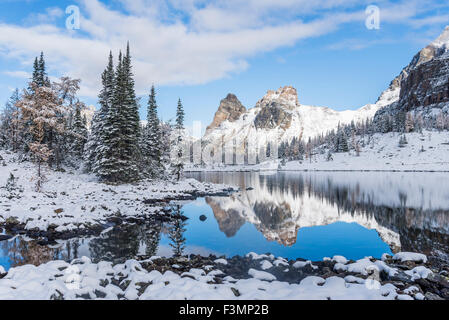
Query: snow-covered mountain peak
x=286, y=97
x=442, y=40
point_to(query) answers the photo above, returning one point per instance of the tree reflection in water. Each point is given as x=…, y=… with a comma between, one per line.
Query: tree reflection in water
x=410, y=211
x=176, y=232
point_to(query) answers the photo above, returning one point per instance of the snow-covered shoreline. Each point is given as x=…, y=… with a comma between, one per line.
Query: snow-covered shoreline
x=426, y=152
x=75, y=201
x=406, y=276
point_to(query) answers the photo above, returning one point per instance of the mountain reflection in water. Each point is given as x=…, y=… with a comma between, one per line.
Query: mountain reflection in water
x=410, y=211
x=294, y=215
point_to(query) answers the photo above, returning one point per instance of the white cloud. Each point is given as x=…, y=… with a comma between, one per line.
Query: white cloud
x=50, y=15
x=18, y=74
x=178, y=42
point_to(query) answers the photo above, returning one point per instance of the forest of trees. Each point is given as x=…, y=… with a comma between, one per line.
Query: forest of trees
x=46, y=123
x=351, y=137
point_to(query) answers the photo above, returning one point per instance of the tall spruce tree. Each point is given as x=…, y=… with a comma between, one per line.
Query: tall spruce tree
x=35, y=76
x=109, y=153
x=341, y=141
x=41, y=73
x=78, y=134
x=176, y=232
x=131, y=128
x=94, y=151
x=10, y=125
x=119, y=154
x=152, y=140
x=178, y=163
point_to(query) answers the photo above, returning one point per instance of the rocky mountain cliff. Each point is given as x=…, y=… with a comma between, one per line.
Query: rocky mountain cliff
x=424, y=83
x=433, y=50
x=230, y=109
x=279, y=116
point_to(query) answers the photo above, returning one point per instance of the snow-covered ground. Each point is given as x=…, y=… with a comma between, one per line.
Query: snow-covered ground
x=72, y=200
x=82, y=279
x=267, y=166
x=428, y=151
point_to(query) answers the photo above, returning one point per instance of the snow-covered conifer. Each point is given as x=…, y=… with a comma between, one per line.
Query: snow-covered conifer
x=178, y=161
x=152, y=138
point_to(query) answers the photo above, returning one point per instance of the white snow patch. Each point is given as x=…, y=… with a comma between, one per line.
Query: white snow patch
x=265, y=265
x=419, y=296
x=261, y=275
x=410, y=256
x=256, y=256
x=365, y=267
x=221, y=261
x=340, y=259
x=420, y=272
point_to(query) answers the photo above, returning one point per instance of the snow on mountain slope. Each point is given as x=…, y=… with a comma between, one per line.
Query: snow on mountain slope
x=443, y=40
x=279, y=116
x=428, y=151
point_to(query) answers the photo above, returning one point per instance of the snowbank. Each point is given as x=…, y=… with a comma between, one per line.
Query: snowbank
x=202, y=278
x=81, y=279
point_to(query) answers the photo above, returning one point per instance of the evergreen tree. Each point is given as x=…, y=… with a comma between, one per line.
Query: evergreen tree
x=42, y=72
x=119, y=152
x=176, y=233
x=39, y=76
x=152, y=138
x=178, y=164
x=79, y=134
x=180, y=116
x=403, y=141
x=109, y=161
x=94, y=150
x=10, y=126
x=341, y=141
x=39, y=79
x=35, y=76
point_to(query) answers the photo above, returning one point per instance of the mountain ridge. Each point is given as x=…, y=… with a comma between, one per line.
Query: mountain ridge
x=278, y=116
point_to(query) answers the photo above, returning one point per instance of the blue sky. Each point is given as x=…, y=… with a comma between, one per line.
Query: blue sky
x=202, y=50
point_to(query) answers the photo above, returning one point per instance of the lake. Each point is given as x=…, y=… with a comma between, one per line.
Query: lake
x=308, y=215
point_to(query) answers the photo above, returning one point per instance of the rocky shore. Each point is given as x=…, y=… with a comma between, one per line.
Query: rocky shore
x=74, y=204
x=409, y=273
x=405, y=276
x=157, y=211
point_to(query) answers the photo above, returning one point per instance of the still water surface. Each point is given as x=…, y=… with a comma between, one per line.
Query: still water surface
x=307, y=215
